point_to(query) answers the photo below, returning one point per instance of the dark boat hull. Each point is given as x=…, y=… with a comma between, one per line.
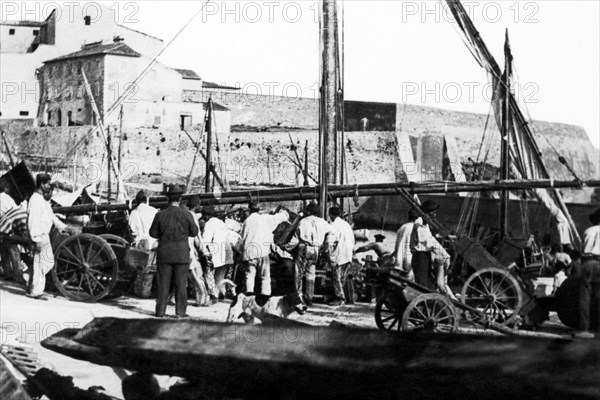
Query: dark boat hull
x=254, y=361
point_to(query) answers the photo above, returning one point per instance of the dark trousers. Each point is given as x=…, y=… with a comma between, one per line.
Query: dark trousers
x=421, y=266
x=589, y=294
x=10, y=259
x=163, y=276
x=305, y=268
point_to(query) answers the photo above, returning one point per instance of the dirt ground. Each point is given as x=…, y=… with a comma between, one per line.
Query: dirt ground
x=30, y=321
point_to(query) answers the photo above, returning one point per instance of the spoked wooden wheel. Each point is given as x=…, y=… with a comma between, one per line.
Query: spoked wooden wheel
x=431, y=312
x=495, y=293
x=388, y=311
x=86, y=268
x=115, y=240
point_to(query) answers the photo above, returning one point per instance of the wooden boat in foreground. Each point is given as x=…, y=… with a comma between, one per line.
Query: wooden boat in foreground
x=258, y=361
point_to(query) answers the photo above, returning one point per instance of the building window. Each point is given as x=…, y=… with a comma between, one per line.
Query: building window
x=185, y=122
x=11, y=31
x=36, y=32
x=59, y=118
x=88, y=20
x=70, y=118
x=24, y=113
x=48, y=117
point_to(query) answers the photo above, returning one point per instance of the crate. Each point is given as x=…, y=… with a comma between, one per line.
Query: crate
x=543, y=286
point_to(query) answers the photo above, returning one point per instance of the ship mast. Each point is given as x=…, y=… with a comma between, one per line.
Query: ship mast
x=328, y=107
x=505, y=140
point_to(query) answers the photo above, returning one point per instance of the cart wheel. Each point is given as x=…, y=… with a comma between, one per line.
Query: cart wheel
x=86, y=268
x=388, y=311
x=494, y=292
x=431, y=312
x=115, y=240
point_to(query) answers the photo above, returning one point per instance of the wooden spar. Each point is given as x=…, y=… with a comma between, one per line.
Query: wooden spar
x=11, y=161
x=120, y=150
x=209, y=166
x=305, y=171
x=102, y=130
x=110, y=156
x=365, y=190
x=75, y=172
x=188, y=184
x=505, y=141
x=215, y=174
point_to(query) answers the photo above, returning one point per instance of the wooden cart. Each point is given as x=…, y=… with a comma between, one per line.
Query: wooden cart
x=406, y=306
x=89, y=267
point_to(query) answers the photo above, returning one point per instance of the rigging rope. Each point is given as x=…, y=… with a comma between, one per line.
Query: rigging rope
x=532, y=127
x=468, y=212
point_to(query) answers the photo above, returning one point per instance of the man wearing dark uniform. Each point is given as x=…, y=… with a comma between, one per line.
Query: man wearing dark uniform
x=172, y=227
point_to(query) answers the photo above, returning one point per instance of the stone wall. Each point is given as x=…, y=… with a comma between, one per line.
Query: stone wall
x=260, y=153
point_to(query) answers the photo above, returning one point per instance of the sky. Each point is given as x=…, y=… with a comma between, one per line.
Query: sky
x=394, y=51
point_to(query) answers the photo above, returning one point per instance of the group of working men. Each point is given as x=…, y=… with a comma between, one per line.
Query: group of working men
x=210, y=248
x=218, y=245
x=190, y=240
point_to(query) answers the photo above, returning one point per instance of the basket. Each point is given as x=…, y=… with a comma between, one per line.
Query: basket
x=136, y=259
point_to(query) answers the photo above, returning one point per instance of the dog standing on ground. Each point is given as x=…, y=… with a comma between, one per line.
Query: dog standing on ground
x=252, y=306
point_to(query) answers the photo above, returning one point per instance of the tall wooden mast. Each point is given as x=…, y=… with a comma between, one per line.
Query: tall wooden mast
x=207, y=183
x=328, y=146
x=505, y=139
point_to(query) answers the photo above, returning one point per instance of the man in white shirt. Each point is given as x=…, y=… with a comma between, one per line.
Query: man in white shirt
x=40, y=221
x=341, y=256
x=429, y=259
x=310, y=234
x=591, y=236
x=402, y=253
x=217, y=250
x=257, y=238
x=589, y=290
x=140, y=221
